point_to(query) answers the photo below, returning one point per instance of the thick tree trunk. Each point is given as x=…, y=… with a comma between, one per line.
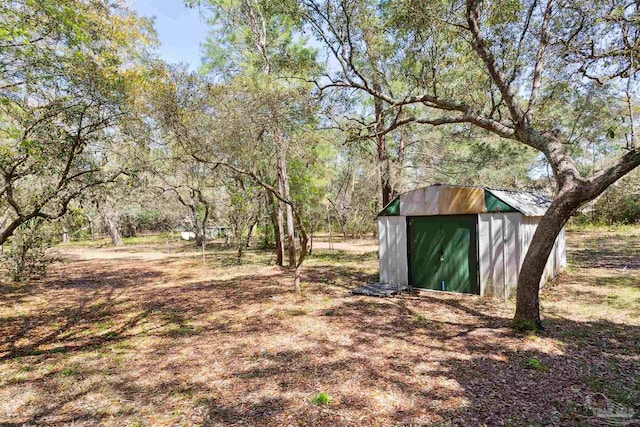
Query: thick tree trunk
x=111, y=220
x=196, y=225
x=8, y=231
x=574, y=192
x=528, y=306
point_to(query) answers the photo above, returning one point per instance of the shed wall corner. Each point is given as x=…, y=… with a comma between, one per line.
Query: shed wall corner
x=392, y=235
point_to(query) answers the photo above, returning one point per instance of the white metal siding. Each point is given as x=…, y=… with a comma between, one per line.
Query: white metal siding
x=503, y=241
x=392, y=233
x=499, y=251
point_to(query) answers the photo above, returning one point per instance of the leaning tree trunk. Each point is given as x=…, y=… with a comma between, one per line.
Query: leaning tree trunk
x=533, y=266
x=573, y=194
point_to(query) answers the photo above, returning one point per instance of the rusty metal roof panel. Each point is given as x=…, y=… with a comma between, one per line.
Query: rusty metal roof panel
x=442, y=199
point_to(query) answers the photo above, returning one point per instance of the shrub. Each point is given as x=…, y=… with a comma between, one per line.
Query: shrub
x=27, y=259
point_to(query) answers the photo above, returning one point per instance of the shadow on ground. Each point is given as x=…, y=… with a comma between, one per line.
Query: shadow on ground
x=119, y=343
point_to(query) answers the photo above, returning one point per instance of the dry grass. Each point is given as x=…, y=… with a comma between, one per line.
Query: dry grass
x=132, y=340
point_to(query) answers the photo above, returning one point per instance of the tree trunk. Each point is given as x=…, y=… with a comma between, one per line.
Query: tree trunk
x=574, y=192
x=304, y=244
x=296, y=214
x=528, y=307
x=240, y=252
x=92, y=227
x=203, y=225
x=111, y=220
x=284, y=179
x=250, y=234
x=269, y=206
x=3, y=220
x=197, y=229
x=384, y=166
x=277, y=218
x=384, y=163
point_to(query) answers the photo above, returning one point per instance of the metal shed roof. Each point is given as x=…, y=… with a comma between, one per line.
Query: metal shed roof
x=526, y=202
x=440, y=199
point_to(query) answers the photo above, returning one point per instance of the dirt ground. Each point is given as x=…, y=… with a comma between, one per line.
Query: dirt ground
x=149, y=335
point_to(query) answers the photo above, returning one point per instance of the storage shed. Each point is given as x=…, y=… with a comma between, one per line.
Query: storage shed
x=462, y=239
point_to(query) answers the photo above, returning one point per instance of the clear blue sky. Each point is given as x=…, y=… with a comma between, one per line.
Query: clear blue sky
x=181, y=30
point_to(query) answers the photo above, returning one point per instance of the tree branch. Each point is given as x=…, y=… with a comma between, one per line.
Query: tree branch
x=497, y=75
x=540, y=61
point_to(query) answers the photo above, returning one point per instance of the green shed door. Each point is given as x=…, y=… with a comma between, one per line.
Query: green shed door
x=442, y=253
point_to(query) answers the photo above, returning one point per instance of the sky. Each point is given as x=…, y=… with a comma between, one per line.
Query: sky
x=181, y=30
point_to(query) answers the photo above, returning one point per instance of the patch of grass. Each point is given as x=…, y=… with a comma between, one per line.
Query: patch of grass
x=69, y=372
x=572, y=226
x=538, y=365
x=183, y=329
x=18, y=379
x=340, y=256
x=137, y=423
x=123, y=345
x=116, y=359
x=321, y=399
x=26, y=368
x=38, y=352
x=292, y=312
x=419, y=318
x=102, y=326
